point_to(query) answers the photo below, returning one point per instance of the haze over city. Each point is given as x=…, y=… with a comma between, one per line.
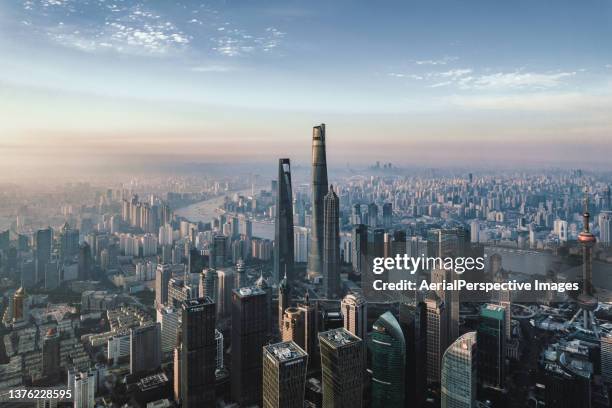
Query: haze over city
x=86, y=83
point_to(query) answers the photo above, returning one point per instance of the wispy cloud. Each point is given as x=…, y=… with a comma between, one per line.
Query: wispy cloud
x=518, y=80
x=213, y=68
x=142, y=28
x=234, y=42
x=468, y=79
x=441, y=61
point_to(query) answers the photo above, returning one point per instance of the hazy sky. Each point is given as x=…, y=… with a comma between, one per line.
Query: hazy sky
x=432, y=82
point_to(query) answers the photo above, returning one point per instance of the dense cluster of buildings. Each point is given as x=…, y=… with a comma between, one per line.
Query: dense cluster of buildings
x=142, y=307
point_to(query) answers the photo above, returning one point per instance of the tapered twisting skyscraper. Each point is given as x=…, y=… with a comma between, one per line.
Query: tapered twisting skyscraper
x=283, y=249
x=319, y=191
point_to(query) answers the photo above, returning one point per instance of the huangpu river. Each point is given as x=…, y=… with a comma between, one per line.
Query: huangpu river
x=205, y=211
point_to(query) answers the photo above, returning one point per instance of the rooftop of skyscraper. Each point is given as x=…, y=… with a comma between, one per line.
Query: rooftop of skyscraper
x=492, y=311
x=285, y=351
x=338, y=337
x=249, y=291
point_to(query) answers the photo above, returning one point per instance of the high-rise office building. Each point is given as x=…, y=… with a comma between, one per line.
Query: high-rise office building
x=69, y=242
x=437, y=327
x=225, y=286
x=249, y=329
x=240, y=279
x=605, y=228
x=387, y=212
x=413, y=321
x=310, y=322
x=459, y=379
x=198, y=353
x=44, y=242
x=145, y=348
x=262, y=284
x=219, y=251
x=283, y=227
x=360, y=246
x=85, y=389
x=284, y=375
x=451, y=301
x=163, y=273
x=342, y=369
x=5, y=240
x=331, y=245
x=219, y=363
x=354, y=310
x=491, y=338
x=388, y=350
x=375, y=249
x=293, y=326
x=209, y=285
x=168, y=319
x=356, y=214
x=85, y=262
x=19, y=305
x=373, y=215
x=319, y=191
x=606, y=358
x=51, y=354
x=284, y=301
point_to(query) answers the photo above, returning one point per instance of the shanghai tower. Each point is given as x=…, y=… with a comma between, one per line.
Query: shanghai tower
x=283, y=234
x=319, y=191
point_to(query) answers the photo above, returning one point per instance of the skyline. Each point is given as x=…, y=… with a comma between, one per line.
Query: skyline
x=93, y=82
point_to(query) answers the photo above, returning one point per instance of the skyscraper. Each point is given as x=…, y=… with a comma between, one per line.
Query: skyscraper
x=85, y=389
x=373, y=215
x=354, y=310
x=208, y=285
x=605, y=228
x=51, y=354
x=283, y=227
x=69, y=242
x=145, y=348
x=284, y=301
x=19, y=312
x=413, y=321
x=319, y=191
x=341, y=369
x=44, y=241
x=284, y=375
x=606, y=358
x=168, y=319
x=218, y=253
x=225, y=286
x=491, y=338
x=437, y=327
x=85, y=262
x=360, y=245
x=388, y=350
x=451, y=301
x=163, y=274
x=249, y=329
x=240, y=277
x=198, y=353
x=331, y=245
x=387, y=215
x=459, y=373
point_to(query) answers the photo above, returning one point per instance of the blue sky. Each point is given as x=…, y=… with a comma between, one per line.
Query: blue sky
x=431, y=81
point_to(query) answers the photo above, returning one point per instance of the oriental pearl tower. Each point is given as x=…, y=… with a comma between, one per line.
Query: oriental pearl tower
x=585, y=318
